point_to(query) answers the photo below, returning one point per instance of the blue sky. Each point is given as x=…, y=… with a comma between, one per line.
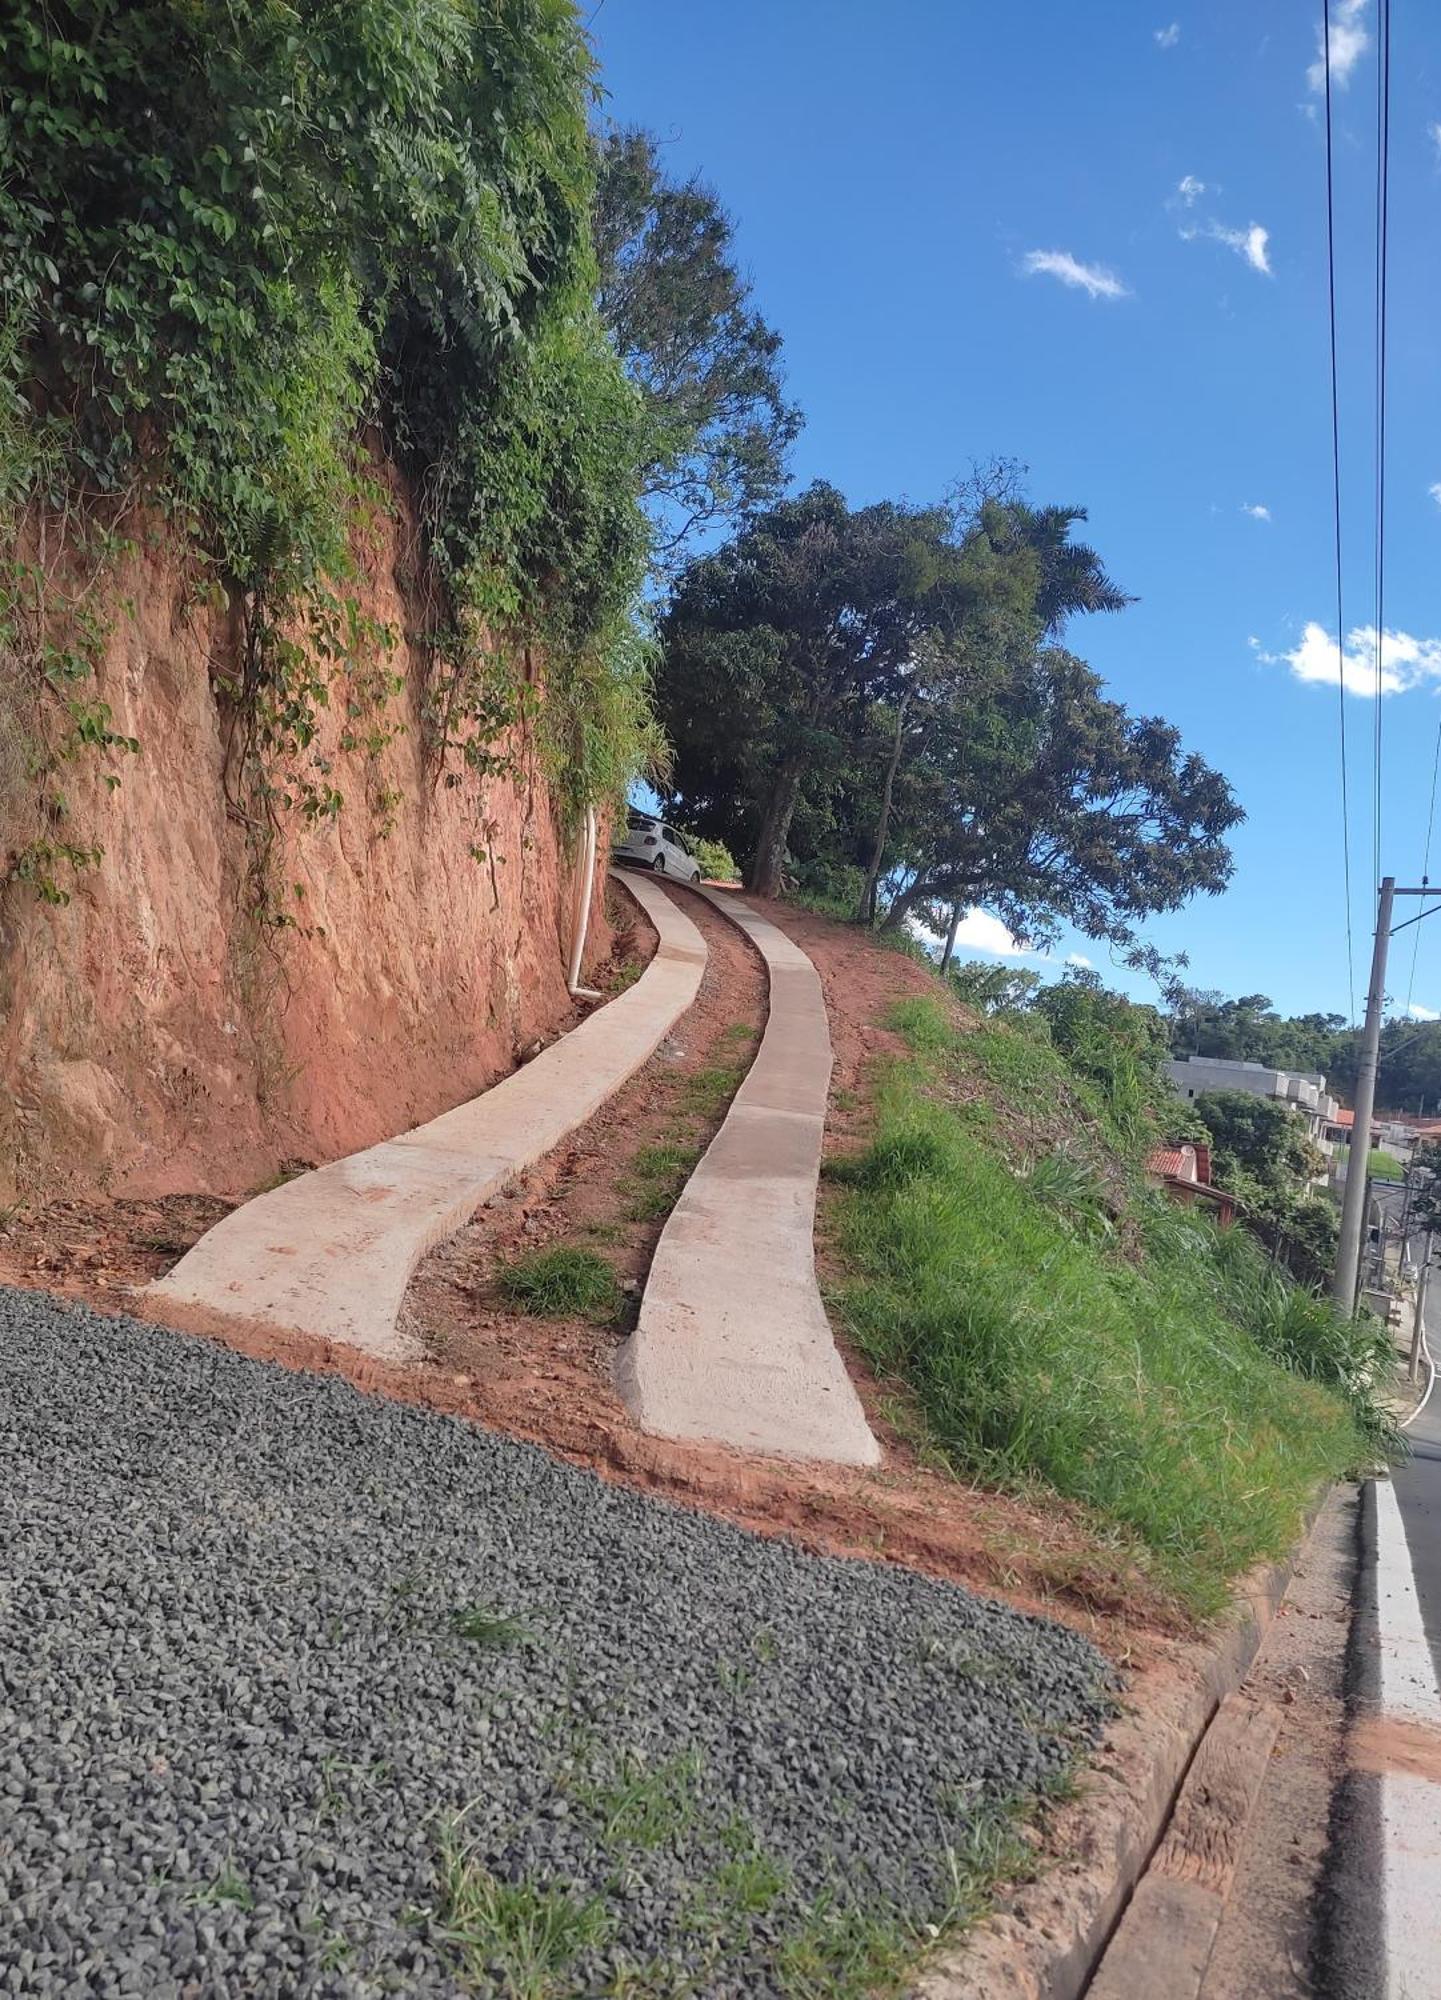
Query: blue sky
x=1032, y=230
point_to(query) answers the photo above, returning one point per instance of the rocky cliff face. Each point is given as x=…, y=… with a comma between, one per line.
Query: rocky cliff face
x=156, y=1036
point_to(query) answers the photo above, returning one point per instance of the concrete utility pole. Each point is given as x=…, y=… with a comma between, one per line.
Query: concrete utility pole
x=1423, y=1278
x=1353, y=1203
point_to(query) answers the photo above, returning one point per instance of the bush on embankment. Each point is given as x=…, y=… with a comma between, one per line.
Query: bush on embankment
x=1056, y=1321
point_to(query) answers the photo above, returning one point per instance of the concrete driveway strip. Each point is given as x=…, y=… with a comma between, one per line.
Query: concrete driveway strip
x=330, y=1254
x=733, y=1345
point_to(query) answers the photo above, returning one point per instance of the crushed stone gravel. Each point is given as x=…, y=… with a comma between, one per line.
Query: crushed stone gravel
x=239, y=1708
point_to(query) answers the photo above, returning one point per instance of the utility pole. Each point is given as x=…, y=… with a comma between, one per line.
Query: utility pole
x=1353, y=1203
x=1423, y=1278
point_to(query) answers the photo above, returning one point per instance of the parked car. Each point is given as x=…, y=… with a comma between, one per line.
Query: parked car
x=650, y=843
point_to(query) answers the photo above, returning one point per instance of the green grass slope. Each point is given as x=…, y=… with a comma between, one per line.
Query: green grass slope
x=1057, y=1322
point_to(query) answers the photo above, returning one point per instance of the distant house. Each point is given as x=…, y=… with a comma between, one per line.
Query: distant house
x=1185, y=1173
x=1304, y=1092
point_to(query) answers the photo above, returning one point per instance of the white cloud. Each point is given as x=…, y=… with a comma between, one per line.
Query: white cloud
x=1349, y=42
x=1167, y=38
x=979, y=931
x=1079, y=958
x=1256, y=511
x=1190, y=190
x=1406, y=662
x=1093, y=279
x=1420, y=1013
x=1433, y=133
x=1250, y=243
x=1434, y=489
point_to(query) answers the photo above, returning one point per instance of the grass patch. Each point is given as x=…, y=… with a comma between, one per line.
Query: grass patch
x=519, y=1938
x=485, y=1625
x=740, y=1031
x=707, y=1092
x=646, y=1805
x=657, y=1175
x=1380, y=1164
x=561, y=1283
x=1153, y=1383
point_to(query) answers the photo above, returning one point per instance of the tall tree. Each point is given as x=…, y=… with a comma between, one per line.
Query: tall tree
x=1049, y=803
x=777, y=647
x=1058, y=579
x=708, y=367
x=1071, y=577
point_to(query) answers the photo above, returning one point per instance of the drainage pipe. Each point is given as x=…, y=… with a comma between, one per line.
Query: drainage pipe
x=580, y=922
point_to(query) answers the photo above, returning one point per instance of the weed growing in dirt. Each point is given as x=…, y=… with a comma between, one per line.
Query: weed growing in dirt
x=1139, y=1380
x=561, y=1283
x=484, y=1625
x=514, y=1937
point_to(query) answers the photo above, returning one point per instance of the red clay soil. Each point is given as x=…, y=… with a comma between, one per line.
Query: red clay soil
x=551, y=1381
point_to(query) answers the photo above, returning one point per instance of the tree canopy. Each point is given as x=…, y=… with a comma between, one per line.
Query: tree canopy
x=879, y=689
x=717, y=422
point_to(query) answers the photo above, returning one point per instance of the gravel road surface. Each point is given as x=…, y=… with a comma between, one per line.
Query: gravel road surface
x=263, y=1638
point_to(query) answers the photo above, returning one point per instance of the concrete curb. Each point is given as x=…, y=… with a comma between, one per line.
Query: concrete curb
x=331, y=1253
x=1047, y=1943
x=733, y=1345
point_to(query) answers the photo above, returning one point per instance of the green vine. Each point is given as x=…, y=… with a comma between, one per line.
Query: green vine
x=247, y=250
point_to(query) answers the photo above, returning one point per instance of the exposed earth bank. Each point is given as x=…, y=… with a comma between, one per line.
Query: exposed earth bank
x=174, y=1027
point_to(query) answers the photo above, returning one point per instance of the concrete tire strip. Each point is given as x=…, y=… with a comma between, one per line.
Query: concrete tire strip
x=330, y=1253
x=733, y=1345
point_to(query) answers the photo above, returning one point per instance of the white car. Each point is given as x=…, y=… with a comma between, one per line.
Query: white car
x=650, y=843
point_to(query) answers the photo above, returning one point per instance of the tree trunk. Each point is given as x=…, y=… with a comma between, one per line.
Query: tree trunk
x=903, y=904
x=866, y=907
x=764, y=876
x=950, y=951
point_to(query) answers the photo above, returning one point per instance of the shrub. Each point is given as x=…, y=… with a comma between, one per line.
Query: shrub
x=717, y=864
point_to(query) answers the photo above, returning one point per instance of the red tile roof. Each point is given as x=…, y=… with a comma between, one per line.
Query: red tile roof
x=1168, y=1160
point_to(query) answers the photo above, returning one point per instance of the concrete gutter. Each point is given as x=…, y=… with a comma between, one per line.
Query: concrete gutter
x=330, y=1254
x=1050, y=1938
x=733, y=1345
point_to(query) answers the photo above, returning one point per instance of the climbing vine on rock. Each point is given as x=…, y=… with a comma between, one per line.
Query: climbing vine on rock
x=243, y=246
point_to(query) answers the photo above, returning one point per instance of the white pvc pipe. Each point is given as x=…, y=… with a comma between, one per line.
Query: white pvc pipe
x=580, y=922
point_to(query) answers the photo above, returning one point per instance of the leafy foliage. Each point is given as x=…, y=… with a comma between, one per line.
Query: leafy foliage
x=717, y=425
x=236, y=244
x=1258, y=1142
x=901, y=711
x=717, y=863
x=777, y=646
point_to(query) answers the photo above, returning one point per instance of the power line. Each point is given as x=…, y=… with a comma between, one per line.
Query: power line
x=1336, y=502
x=1383, y=177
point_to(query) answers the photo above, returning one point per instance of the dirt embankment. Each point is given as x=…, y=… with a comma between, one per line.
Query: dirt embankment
x=155, y=1036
